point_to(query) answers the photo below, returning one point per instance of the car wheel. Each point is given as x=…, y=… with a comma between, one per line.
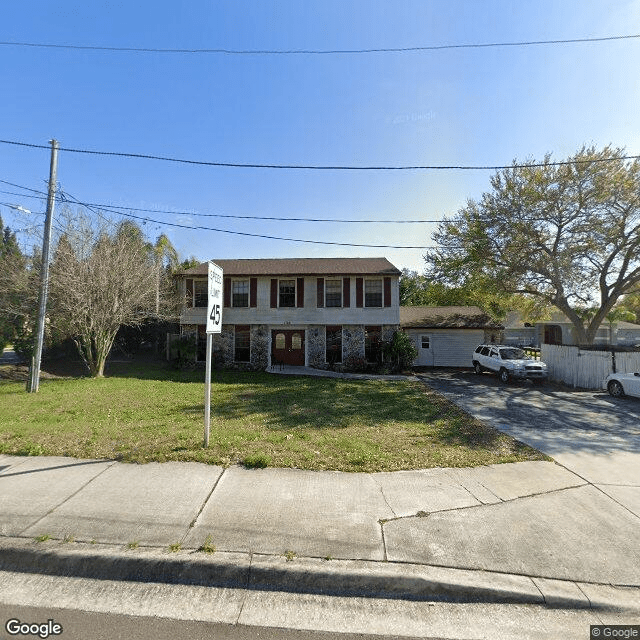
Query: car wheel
x=504, y=376
x=477, y=368
x=615, y=389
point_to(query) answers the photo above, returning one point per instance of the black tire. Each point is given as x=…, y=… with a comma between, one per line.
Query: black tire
x=504, y=376
x=615, y=389
x=477, y=367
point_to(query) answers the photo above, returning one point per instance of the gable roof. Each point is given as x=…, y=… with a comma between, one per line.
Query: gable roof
x=299, y=267
x=446, y=318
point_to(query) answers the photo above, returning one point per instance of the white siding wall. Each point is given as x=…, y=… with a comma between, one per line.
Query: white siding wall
x=447, y=347
x=309, y=314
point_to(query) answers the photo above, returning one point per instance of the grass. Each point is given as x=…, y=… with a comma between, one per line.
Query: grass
x=147, y=412
x=208, y=546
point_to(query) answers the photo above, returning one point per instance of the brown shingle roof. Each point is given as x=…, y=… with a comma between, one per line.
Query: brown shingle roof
x=299, y=266
x=446, y=318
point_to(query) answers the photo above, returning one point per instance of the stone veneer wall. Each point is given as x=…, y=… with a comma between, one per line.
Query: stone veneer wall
x=259, y=346
x=388, y=330
x=352, y=343
x=223, y=343
x=316, y=346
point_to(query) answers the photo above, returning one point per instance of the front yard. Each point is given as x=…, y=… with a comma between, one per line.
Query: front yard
x=147, y=412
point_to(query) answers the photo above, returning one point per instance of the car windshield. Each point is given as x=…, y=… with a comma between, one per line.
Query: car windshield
x=513, y=354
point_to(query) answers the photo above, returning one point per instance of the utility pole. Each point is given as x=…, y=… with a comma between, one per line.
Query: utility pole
x=34, y=377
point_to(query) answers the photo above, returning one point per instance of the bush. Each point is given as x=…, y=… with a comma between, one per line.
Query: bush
x=400, y=352
x=183, y=351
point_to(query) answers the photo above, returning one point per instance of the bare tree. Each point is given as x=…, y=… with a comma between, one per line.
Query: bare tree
x=101, y=279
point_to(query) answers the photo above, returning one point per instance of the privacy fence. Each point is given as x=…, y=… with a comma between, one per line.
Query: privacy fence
x=585, y=368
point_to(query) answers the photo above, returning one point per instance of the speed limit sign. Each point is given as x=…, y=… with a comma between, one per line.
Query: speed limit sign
x=214, y=308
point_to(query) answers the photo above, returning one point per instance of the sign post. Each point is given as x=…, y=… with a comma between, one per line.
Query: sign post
x=214, y=325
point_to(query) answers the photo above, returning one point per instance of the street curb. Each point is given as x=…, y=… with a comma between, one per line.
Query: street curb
x=258, y=572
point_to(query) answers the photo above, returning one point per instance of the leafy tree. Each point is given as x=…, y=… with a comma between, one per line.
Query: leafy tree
x=13, y=266
x=566, y=234
x=419, y=290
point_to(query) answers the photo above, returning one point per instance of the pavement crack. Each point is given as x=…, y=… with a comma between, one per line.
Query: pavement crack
x=384, y=498
x=246, y=588
x=192, y=524
x=75, y=493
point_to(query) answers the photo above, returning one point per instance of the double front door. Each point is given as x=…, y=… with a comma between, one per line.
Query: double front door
x=287, y=347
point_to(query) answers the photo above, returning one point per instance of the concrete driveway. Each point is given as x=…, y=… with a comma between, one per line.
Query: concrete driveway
x=591, y=434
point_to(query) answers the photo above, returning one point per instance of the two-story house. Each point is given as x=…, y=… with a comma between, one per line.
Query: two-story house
x=299, y=311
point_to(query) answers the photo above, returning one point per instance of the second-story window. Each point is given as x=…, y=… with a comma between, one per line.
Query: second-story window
x=373, y=293
x=333, y=293
x=240, y=293
x=287, y=293
x=200, y=293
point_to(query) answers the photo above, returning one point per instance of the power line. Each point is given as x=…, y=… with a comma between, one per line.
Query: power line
x=325, y=167
x=243, y=233
x=116, y=209
x=18, y=186
x=287, y=52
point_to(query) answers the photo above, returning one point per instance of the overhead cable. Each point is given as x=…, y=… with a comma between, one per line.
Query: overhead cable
x=287, y=52
x=323, y=167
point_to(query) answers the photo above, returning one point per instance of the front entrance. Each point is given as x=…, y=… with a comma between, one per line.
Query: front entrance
x=287, y=347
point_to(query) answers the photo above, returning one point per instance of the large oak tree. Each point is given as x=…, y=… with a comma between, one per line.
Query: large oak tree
x=567, y=234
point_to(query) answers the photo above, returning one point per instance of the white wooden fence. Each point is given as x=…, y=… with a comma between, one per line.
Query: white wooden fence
x=586, y=369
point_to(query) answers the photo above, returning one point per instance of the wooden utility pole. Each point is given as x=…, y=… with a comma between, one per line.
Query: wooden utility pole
x=34, y=376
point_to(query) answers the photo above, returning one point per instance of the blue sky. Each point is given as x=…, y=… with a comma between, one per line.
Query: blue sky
x=457, y=106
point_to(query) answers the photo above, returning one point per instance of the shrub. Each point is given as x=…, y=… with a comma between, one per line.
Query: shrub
x=400, y=351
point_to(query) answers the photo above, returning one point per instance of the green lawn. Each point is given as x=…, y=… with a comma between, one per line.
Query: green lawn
x=148, y=412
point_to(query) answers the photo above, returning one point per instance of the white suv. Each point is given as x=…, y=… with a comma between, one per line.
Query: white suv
x=508, y=362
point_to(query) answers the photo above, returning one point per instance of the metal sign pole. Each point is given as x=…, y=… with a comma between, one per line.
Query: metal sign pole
x=214, y=325
x=207, y=391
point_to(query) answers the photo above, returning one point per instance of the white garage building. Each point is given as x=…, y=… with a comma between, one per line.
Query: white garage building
x=447, y=336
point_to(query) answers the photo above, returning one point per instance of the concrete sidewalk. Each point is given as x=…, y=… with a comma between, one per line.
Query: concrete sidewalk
x=530, y=532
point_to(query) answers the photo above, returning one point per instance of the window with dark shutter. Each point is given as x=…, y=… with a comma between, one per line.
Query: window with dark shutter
x=387, y=292
x=253, y=292
x=359, y=292
x=240, y=293
x=320, y=292
x=287, y=293
x=227, y=292
x=334, y=293
x=274, y=293
x=346, y=292
x=300, y=299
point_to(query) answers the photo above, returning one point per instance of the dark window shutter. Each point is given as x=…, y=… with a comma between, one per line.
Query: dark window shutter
x=387, y=292
x=359, y=292
x=274, y=293
x=346, y=292
x=253, y=292
x=300, y=293
x=189, y=294
x=227, y=292
x=320, y=292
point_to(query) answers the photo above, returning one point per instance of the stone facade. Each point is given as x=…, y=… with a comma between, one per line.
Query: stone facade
x=316, y=346
x=259, y=346
x=352, y=344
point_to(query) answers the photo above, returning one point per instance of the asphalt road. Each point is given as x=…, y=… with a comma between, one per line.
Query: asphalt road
x=85, y=625
x=589, y=432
